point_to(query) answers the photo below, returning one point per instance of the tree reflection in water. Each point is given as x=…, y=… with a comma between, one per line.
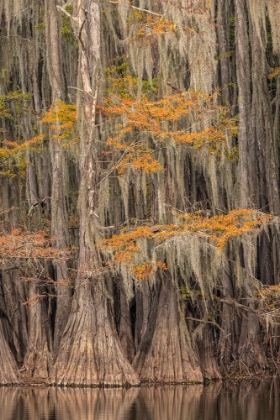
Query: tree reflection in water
x=257, y=400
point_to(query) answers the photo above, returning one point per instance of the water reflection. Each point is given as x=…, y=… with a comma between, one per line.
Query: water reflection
x=231, y=401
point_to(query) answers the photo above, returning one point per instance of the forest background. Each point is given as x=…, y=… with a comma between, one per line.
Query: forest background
x=139, y=211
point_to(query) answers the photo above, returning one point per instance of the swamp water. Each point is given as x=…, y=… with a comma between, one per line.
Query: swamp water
x=258, y=400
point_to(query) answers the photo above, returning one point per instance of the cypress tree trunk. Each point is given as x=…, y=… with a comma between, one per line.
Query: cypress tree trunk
x=8, y=371
x=257, y=155
x=13, y=334
x=38, y=358
x=90, y=351
x=165, y=352
x=247, y=151
x=59, y=174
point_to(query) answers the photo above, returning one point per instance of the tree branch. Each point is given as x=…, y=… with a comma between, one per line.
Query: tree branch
x=204, y=321
x=239, y=305
x=67, y=13
x=64, y=11
x=138, y=8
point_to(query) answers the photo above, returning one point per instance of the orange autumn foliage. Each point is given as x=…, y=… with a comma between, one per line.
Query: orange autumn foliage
x=156, y=117
x=61, y=119
x=149, y=25
x=11, y=148
x=143, y=271
x=23, y=244
x=146, y=26
x=160, y=120
x=216, y=229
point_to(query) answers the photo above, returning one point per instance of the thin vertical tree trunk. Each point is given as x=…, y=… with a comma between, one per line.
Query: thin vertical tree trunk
x=247, y=154
x=261, y=125
x=223, y=33
x=59, y=176
x=38, y=359
x=123, y=320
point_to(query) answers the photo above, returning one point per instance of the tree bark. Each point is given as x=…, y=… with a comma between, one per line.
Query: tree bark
x=59, y=175
x=90, y=350
x=247, y=152
x=165, y=353
x=38, y=358
x=8, y=371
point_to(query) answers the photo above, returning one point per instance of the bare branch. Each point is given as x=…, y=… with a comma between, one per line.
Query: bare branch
x=204, y=321
x=64, y=11
x=138, y=8
x=81, y=90
x=73, y=18
x=238, y=305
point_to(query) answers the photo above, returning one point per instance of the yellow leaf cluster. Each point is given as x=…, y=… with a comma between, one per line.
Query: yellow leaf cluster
x=274, y=73
x=11, y=148
x=61, y=119
x=12, y=155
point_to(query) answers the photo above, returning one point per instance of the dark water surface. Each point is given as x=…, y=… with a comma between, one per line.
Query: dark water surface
x=231, y=401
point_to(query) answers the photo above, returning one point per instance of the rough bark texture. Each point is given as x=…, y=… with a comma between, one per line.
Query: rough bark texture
x=80, y=317
x=91, y=352
x=165, y=351
x=59, y=172
x=8, y=374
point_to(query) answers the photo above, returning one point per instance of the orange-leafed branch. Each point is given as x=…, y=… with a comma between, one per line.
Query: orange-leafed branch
x=216, y=229
x=22, y=244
